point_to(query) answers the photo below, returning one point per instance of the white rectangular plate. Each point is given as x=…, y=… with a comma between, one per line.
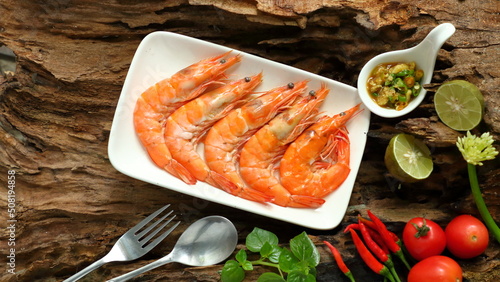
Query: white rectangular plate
x=160, y=55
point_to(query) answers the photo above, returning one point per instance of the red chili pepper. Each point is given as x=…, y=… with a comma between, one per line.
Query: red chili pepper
x=354, y=226
x=367, y=222
x=373, y=233
x=378, y=251
x=374, y=247
x=340, y=261
x=388, y=238
x=395, y=238
x=372, y=225
x=378, y=239
x=368, y=258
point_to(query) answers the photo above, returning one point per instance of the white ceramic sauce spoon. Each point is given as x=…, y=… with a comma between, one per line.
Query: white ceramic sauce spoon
x=208, y=241
x=424, y=55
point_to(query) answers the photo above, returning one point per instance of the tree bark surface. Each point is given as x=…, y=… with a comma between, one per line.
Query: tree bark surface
x=72, y=58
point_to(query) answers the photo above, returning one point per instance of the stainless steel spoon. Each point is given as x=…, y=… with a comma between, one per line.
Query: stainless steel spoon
x=208, y=241
x=424, y=55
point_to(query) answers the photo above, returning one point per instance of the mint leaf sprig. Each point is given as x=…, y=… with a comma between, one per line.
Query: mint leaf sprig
x=475, y=150
x=297, y=264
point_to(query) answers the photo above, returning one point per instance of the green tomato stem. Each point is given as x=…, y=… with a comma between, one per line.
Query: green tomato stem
x=481, y=205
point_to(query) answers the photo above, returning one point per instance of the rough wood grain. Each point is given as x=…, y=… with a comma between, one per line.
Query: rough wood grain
x=73, y=56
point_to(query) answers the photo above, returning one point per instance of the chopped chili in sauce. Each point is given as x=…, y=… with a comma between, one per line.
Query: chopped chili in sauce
x=394, y=85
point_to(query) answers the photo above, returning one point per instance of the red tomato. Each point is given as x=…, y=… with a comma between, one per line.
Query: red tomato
x=466, y=237
x=423, y=238
x=436, y=268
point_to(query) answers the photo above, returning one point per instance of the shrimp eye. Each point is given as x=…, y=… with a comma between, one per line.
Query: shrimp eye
x=312, y=93
x=342, y=114
x=247, y=79
x=291, y=85
x=223, y=61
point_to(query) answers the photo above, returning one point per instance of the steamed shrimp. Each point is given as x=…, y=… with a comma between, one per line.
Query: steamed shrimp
x=264, y=149
x=187, y=125
x=224, y=140
x=160, y=100
x=317, y=162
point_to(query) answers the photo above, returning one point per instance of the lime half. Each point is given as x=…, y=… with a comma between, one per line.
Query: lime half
x=408, y=159
x=459, y=104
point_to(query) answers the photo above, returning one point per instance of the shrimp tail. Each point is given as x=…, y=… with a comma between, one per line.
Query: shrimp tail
x=299, y=201
x=254, y=195
x=178, y=170
x=218, y=180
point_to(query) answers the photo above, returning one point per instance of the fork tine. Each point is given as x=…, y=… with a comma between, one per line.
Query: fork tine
x=150, y=227
x=147, y=219
x=161, y=237
x=154, y=232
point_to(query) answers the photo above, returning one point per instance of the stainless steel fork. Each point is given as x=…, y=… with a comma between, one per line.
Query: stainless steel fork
x=134, y=243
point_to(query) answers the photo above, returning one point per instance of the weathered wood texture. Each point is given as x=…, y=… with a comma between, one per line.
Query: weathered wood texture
x=73, y=56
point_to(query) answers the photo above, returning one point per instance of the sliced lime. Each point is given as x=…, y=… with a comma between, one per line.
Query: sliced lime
x=408, y=159
x=459, y=104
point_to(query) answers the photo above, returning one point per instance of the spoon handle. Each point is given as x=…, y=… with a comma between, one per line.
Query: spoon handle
x=86, y=270
x=438, y=36
x=164, y=260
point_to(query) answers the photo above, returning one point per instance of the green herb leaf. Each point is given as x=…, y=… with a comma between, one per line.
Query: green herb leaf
x=299, y=276
x=304, y=249
x=270, y=277
x=247, y=265
x=312, y=271
x=266, y=250
x=241, y=256
x=275, y=255
x=288, y=261
x=232, y=272
x=258, y=237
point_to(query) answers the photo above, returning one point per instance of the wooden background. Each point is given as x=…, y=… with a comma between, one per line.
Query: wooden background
x=73, y=56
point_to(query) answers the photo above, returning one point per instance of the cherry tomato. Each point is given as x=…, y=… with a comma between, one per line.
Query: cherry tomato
x=436, y=268
x=466, y=236
x=423, y=238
